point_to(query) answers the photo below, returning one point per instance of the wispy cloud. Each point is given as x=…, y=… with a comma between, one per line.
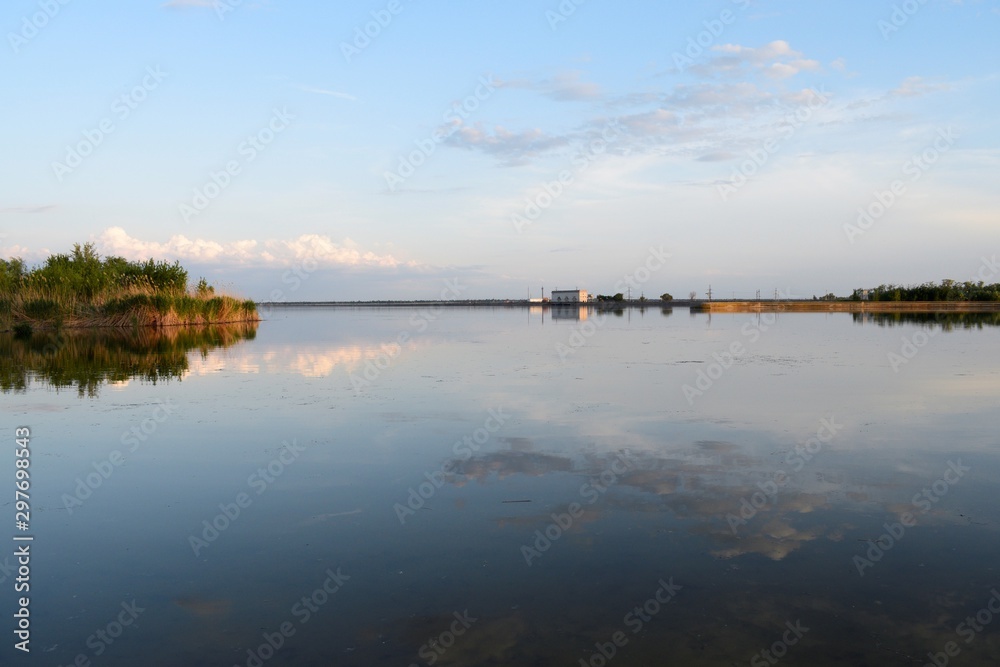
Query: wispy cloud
x=28, y=209
x=916, y=86
x=332, y=93
x=564, y=87
x=510, y=147
x=777, y=60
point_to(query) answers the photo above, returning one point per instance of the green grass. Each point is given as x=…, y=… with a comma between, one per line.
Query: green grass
x=83, y=290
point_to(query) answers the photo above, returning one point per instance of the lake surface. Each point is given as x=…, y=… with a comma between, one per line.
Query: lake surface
x=400, y=486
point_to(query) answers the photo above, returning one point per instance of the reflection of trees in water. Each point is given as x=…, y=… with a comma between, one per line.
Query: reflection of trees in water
x=89, y=358
x=946, y=321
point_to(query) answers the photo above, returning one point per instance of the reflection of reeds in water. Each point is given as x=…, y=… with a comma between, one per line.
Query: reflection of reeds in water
x=88, y=358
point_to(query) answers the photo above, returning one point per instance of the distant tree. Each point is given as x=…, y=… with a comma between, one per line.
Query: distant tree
x=666, y=296
x=693, y=295
x=618, y=297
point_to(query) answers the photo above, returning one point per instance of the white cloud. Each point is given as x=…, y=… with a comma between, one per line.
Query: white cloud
x=273, y=252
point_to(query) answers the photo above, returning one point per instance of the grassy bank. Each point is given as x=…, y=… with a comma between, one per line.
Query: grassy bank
x=81, y=289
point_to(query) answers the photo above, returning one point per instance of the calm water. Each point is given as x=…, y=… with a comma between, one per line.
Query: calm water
x=505, y=487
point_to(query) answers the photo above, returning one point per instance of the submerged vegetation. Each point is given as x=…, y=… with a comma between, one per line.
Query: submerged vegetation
x=81, y=289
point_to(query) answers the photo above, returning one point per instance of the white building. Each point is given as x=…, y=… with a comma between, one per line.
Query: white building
x=570, y=296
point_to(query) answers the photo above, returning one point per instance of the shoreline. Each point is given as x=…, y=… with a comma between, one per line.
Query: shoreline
x=695, y=306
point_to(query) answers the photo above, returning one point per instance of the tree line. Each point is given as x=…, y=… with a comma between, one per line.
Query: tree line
x=946, y=290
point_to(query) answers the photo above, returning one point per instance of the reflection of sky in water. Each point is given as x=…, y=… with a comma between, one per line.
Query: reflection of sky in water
x=616, y=397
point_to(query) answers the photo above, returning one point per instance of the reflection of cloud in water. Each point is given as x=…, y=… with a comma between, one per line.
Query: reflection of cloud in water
x=773, y=539
x=707, y=482
x=504, y=464
x=704, y=482
x=314, y=363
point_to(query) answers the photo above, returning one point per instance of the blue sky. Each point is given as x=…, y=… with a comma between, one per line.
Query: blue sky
x=269, y=147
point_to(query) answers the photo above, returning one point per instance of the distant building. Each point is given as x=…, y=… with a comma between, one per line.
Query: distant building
x=570, y=296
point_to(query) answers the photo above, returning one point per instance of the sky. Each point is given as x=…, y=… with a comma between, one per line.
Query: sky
x=411, y=149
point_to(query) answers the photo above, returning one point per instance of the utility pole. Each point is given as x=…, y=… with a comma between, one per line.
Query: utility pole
x=709, y=292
